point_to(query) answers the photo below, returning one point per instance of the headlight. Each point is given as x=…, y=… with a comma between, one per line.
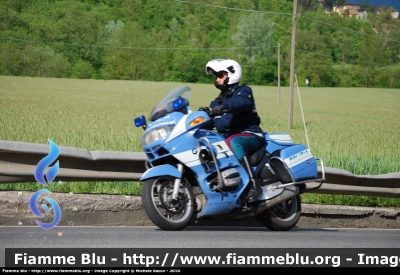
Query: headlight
x=156, y=134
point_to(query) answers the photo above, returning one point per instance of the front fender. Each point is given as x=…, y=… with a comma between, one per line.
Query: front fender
x=161, y=170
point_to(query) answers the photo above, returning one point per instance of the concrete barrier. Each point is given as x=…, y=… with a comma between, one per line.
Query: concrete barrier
x=119, y=210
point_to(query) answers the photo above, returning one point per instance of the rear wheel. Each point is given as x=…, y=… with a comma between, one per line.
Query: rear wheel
x=283, y=216
x=164, y=212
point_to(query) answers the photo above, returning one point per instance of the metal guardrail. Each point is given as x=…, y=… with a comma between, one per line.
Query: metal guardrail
x=18, y=161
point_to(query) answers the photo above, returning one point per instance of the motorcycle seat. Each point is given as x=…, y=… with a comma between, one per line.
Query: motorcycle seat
x=279, y=138
x=257, y=156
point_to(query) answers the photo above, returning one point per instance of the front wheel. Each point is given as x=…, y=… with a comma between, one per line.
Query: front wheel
x=283, y=216
x=164, y=212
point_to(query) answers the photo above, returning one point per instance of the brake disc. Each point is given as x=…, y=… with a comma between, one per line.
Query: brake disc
x=171, y=206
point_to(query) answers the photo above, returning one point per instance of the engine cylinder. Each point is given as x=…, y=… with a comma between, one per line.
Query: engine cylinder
x=231, y=177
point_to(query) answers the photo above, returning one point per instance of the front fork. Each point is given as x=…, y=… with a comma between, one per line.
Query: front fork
x=177, y=183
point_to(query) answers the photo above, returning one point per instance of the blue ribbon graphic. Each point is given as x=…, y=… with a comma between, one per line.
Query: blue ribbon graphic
x=35, y=210
x=45, y=162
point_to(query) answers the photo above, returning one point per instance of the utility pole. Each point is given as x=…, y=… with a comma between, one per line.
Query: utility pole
x=279, y=74
x=292, y=64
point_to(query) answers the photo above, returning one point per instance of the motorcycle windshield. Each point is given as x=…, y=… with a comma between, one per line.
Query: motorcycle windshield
x=165, y=107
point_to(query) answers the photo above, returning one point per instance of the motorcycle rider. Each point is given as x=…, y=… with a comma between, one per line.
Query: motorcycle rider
x=235, y=116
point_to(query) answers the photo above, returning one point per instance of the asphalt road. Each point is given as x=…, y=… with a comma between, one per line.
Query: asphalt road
x=195, y=237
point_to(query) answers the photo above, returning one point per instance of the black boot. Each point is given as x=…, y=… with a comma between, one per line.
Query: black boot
x=254, y=192
x=255, y=188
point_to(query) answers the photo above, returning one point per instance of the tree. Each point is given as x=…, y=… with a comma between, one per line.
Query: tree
x=381, y=51
x=307, y=5
x=113, y=32
x=171, y=41
x=254, y=35
x=311, y=60
x=83, y=69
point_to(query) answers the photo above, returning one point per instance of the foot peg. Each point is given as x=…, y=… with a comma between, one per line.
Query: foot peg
x=253, y=194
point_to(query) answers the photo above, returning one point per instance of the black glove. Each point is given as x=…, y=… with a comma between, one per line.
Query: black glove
x=205, y=109
x=217, y=110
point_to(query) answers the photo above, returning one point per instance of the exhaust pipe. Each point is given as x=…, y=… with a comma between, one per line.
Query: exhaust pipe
x=289, y=192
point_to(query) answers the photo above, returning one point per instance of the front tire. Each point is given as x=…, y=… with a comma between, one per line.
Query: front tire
x=167, y=214
x=283, y=216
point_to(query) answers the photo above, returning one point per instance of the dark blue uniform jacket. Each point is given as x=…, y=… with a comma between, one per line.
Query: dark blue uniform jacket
x=241, y=112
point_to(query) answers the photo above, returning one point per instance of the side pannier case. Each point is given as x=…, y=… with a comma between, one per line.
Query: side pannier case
x=295, y=163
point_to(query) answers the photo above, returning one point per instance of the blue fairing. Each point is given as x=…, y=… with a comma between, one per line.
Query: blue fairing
x=161, y=170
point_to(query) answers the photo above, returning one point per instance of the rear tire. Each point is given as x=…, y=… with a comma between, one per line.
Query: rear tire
x=162, y=211
x=283, y=216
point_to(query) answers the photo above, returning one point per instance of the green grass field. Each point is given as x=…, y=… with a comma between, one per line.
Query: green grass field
x=355, y=129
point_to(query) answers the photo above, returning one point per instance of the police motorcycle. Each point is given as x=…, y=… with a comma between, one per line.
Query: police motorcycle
x=192, y=174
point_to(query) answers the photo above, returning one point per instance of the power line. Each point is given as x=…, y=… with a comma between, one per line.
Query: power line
x=281, y=13
x=123, y=47
x=344, y=59
x=186, y=49
x=228, y=8
x=349, y=30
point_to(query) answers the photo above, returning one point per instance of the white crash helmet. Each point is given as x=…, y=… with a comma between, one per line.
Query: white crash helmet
x=227, y=65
